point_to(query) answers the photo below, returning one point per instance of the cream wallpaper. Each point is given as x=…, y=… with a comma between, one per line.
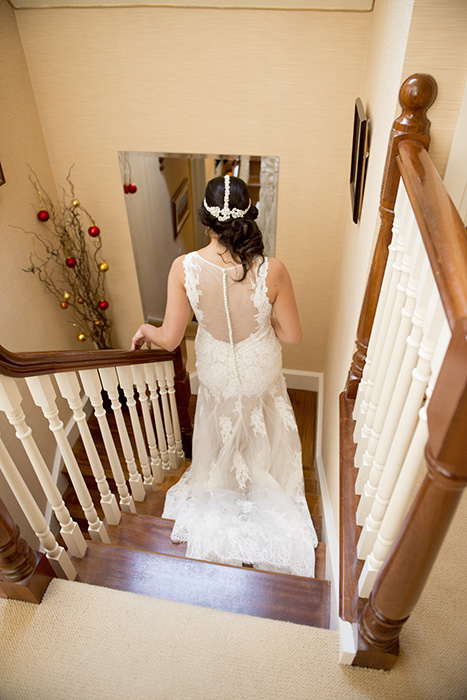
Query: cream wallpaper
x=30, y=320
x=160, y=79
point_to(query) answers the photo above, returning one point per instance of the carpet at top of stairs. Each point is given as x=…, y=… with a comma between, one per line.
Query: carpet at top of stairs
x=92, y=643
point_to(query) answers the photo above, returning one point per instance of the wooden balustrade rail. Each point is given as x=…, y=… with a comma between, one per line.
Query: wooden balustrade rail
x=406, y=569
x=32, y=364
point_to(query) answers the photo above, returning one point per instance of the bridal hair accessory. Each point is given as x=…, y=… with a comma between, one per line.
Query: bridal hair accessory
x=225, y=213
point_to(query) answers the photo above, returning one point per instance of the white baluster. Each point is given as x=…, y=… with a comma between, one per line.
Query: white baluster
x=43, y=395
x=150, y=373
x=403, y=489
x=375, y=560
x=398, y=376
x=379, y=362
x=92, y=387
x=126, y=382
x=156, y=464
x=368, y=477
x=390, y=358
x=170, y=376
x=10, y=403
x=367, y=382
x=388, y=473
x=59, y=559
x=70, y=390
x=162, y=383
x=110, y=383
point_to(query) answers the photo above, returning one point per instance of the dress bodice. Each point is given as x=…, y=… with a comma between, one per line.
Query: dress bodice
x=220, y=300
x=236, y=348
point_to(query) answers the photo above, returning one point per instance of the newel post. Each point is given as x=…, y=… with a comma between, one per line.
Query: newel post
x=24, y=573
x=182, y=396
x=411, y=558
x=416, y=96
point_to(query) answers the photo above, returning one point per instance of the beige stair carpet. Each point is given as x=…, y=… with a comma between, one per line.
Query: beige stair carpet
x=91, y=643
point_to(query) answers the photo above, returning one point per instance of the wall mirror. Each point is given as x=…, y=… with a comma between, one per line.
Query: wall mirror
x=163, y=192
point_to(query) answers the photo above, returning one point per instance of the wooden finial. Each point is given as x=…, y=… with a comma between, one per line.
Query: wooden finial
x=416, y=96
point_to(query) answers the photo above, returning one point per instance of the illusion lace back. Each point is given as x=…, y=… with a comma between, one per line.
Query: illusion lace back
x=242, y=500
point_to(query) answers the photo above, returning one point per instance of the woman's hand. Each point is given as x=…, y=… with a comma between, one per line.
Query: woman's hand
x=177, y=314
x=139, y=339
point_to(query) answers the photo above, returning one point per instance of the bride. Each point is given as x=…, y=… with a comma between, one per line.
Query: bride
x=242, y=501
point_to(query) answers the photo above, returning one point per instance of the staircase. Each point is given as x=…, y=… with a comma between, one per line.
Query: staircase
x=142, y=559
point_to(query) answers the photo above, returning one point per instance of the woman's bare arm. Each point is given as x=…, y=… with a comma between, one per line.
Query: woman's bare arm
x=177, y=314
x=286, y=321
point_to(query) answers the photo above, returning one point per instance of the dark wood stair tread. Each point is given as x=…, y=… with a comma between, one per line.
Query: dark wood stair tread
x=152, y=534
x=246, y=591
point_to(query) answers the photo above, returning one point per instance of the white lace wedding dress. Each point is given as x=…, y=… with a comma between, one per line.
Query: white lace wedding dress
x=242, y=500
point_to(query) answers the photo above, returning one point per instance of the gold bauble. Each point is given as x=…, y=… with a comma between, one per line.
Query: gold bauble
x=97, y=323
x=81, y=337
x=66, y=295
x=76, y=203
x=80, y=300
x=103, y=266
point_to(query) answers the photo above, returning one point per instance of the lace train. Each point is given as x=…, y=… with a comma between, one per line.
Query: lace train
x=242, y=500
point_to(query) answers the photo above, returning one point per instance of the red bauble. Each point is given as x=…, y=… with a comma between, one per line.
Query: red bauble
x=64, y=304
x=43, y=215
x=132, y=188
x=94, y=231
x=103, y=304
x=125, y=189
x=70, y=262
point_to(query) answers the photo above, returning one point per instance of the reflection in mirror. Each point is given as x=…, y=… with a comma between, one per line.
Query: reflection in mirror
x=163, y=192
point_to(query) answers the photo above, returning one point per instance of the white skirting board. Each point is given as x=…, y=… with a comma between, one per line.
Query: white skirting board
x=330, y=537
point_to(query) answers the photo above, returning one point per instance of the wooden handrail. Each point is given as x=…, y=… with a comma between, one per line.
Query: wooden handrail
x=416, y=96
x=441, y=227
x=32, y=364
x=401, y=580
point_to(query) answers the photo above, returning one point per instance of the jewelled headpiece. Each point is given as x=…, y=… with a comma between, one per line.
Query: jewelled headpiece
x=226, y=213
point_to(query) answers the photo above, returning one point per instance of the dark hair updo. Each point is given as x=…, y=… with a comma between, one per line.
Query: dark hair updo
x=240, y=236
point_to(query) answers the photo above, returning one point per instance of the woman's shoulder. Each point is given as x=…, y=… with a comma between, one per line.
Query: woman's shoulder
x=276, y=268
x=179, y=262
x=177, y=269
x=278, y=278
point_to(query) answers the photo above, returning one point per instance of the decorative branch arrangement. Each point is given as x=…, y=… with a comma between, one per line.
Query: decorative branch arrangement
x=70, y=263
